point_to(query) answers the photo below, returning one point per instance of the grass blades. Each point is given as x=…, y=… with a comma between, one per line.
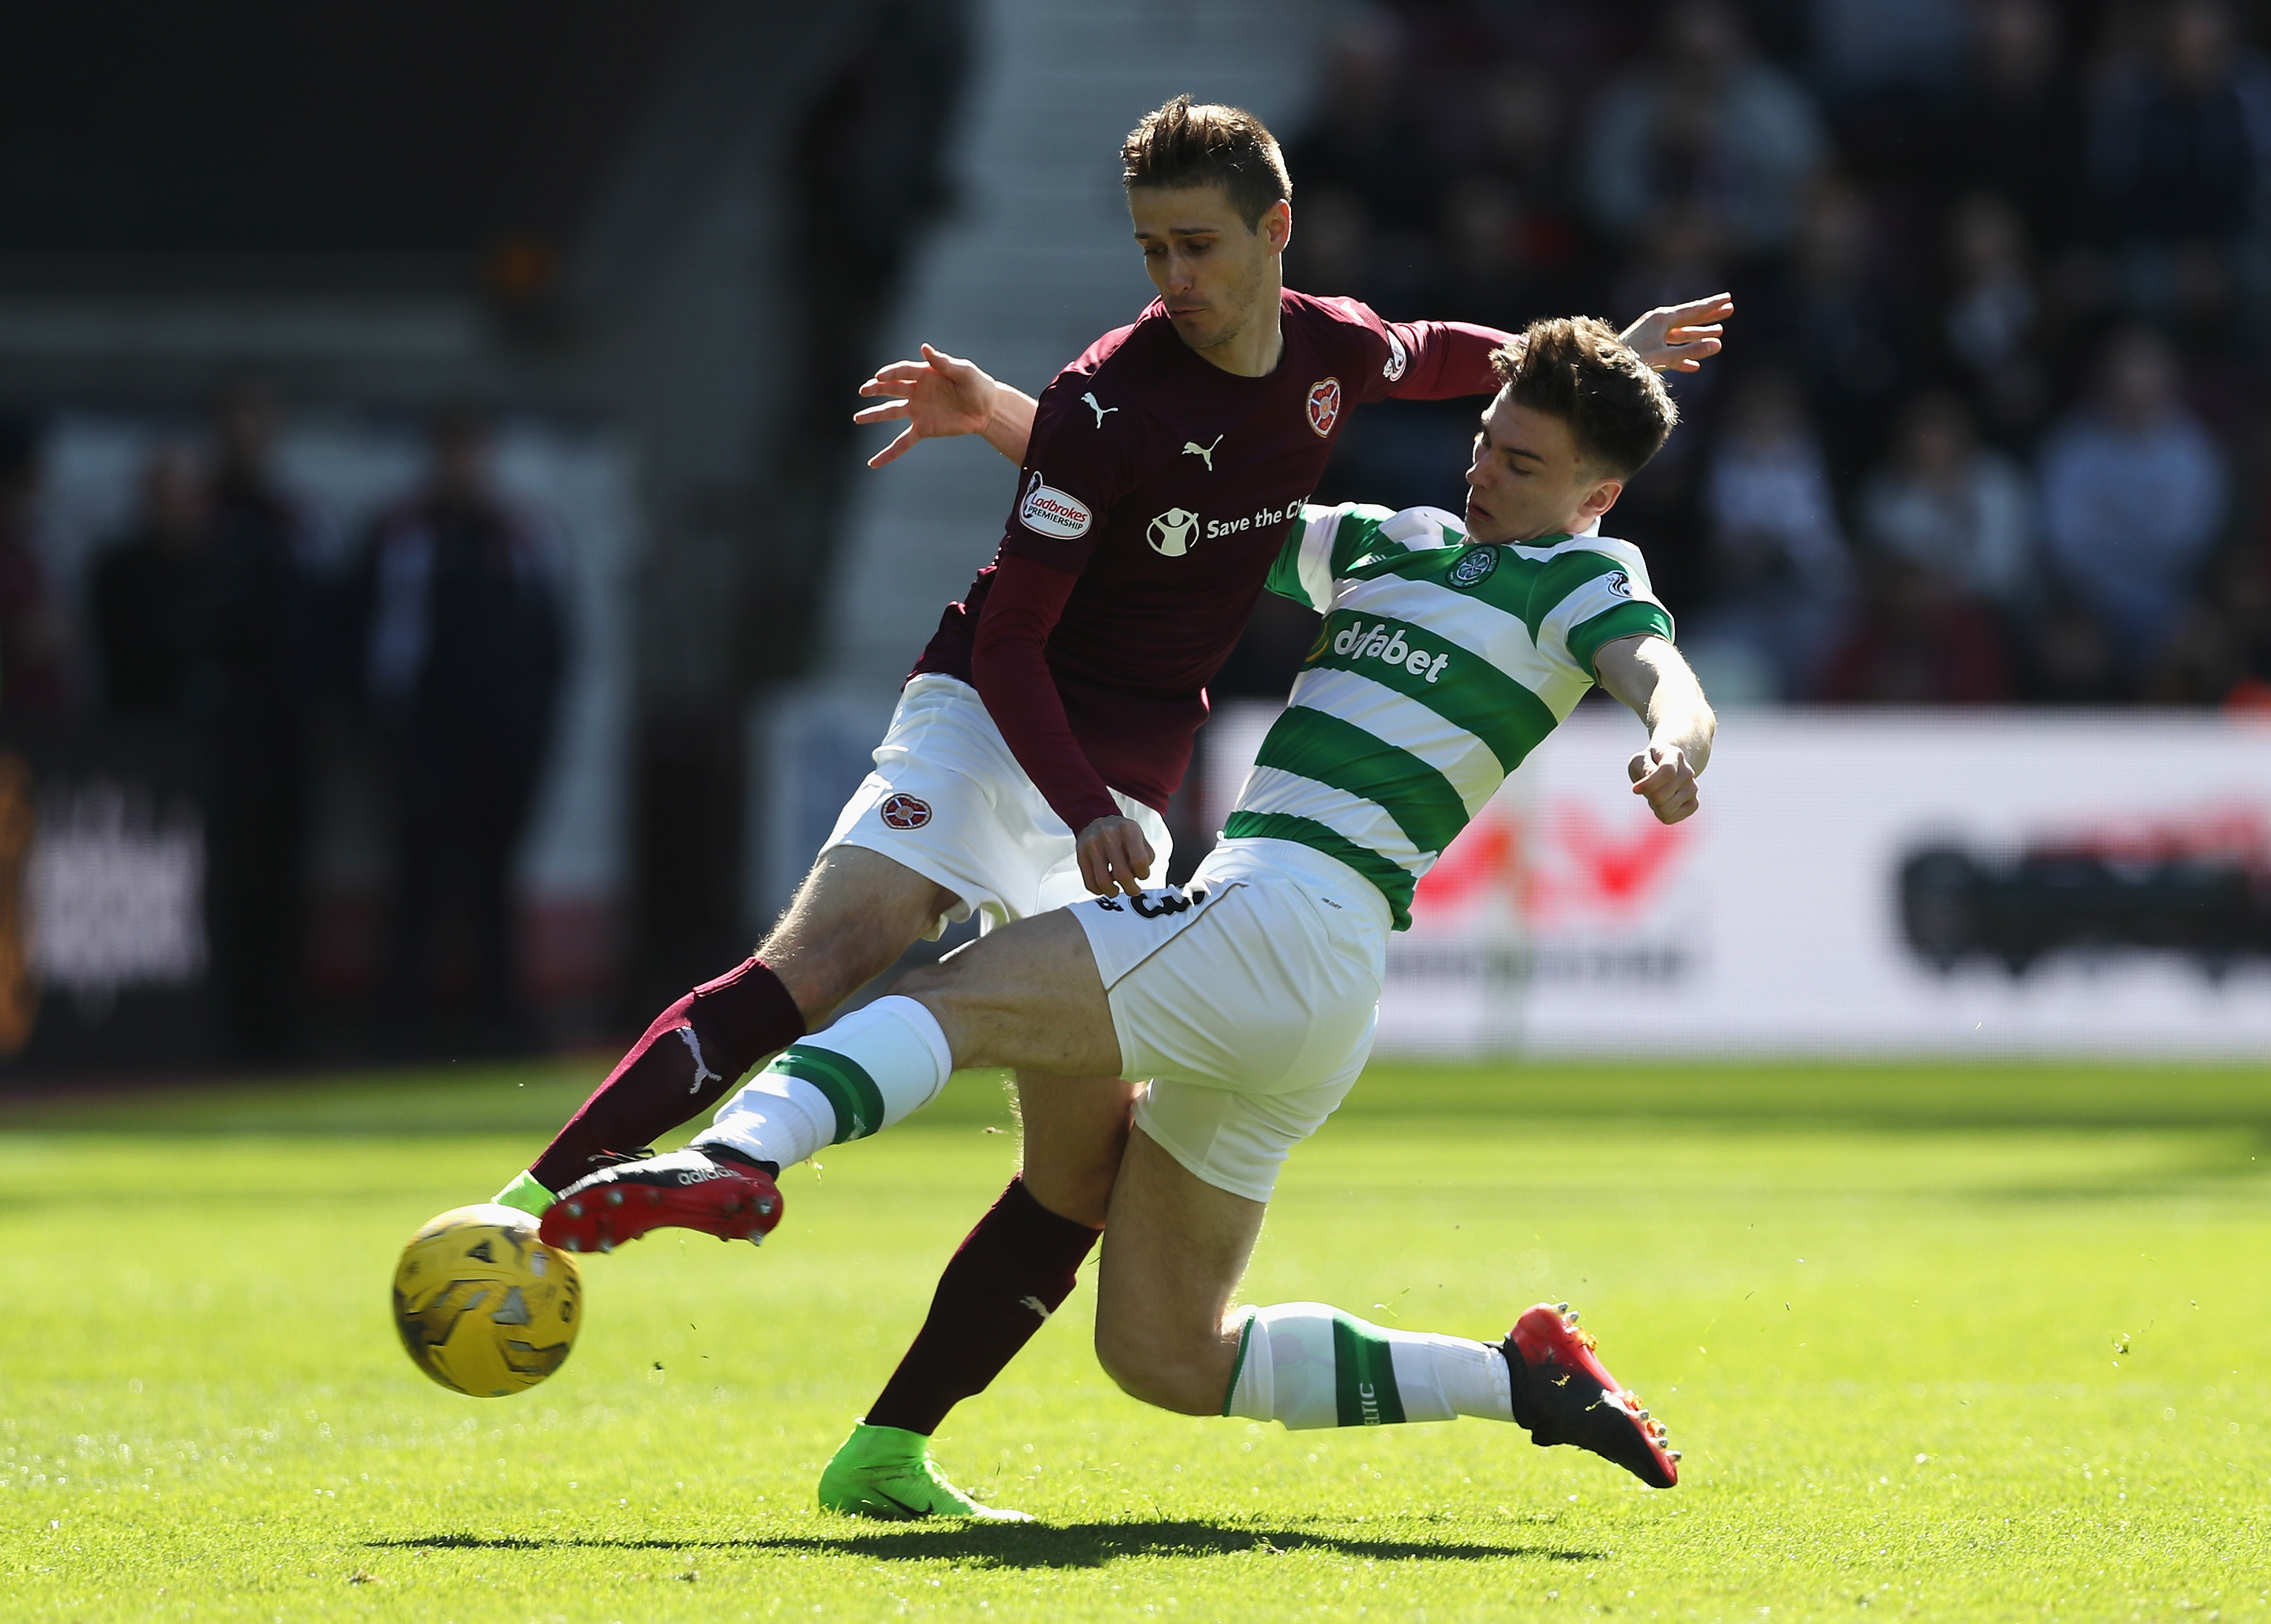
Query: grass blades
x=1981, y=1342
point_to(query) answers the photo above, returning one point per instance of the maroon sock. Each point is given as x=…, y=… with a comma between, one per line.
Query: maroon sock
x=696, y=1050
x=1020, y=1255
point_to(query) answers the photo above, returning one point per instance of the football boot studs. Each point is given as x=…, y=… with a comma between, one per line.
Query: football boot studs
x=1563, y=1394
x=718, y=1196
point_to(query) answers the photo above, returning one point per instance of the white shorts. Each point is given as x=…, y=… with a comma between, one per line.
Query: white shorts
x=949, y=801
x=1249, y=997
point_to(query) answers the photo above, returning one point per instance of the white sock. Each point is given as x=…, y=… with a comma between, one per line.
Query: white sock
x=1306, y=1364
x=870, y=1070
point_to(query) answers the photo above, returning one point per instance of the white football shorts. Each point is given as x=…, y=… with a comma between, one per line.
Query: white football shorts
x=949, y=801
x=1248, y=998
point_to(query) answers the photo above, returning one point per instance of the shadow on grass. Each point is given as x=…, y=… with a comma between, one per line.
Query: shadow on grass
x=1029, y=1545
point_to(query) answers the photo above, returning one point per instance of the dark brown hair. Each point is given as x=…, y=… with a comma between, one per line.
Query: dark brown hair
x=1576, y=369
x=1204, y=144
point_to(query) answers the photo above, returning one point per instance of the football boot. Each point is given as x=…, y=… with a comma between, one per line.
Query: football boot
x=887, y=1473
x=525, y=1195
x=1563, y=1394
x=720, y=1195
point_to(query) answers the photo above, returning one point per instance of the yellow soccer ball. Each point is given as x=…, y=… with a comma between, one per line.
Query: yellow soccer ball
x=484, y=1307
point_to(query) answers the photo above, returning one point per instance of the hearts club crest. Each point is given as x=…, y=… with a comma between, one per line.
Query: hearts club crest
x=1324, y=406
x=905, y=812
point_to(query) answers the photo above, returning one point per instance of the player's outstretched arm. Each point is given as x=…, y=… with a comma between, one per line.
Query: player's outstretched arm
x=1679, y=338
x=942, y=396
x=1649, y=675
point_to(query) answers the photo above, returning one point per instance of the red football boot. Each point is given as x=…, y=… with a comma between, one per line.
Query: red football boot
x=720, y=1195
x=1563, y=1394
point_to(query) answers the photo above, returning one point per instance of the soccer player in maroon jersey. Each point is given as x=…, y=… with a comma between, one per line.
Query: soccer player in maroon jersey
x=1051, y=717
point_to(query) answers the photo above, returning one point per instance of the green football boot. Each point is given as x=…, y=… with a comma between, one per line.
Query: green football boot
x=525, y=1193
x=533, y=1198
x=886, y=1473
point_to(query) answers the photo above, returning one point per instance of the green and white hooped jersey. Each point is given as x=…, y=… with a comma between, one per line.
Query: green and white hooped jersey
x=1439, y=668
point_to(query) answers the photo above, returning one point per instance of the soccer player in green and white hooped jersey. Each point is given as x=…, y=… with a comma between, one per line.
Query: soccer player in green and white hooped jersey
x=1249, y=995
x=1439, y=668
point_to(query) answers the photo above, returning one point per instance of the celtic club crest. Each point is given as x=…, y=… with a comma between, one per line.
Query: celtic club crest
x=1324, y=406
x=1473, y=567
x=905, y=812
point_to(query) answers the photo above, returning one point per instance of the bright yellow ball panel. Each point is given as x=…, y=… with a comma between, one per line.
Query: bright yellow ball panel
x=484, y=1307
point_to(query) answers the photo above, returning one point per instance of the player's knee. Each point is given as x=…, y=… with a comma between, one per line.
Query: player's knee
x=1125, y=1360
x=925, y=980
x=1147, y=1364
x=933, y=986
x=822, y=967
x=855, y=915
x=822, y=977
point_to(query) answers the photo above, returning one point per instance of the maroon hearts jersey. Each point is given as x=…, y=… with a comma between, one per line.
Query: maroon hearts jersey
x=1155, y=493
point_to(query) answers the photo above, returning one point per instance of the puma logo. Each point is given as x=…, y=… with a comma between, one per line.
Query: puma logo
x=701, y=1072
x=1036, y=1305
x=1101, y=411
x=1204, y=453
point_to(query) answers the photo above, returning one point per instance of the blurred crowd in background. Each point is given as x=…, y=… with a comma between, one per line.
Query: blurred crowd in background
x=1987, y=428
x=436, y=651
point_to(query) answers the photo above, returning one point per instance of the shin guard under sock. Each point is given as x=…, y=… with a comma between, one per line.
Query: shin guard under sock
x=697, y=1049
x=1309, y=1365
x=1010, y=1273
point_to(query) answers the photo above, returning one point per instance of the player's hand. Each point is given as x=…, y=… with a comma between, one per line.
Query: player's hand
x=1114, y=856
x=939, y=397
x=1679, y=338
x=1662, y=776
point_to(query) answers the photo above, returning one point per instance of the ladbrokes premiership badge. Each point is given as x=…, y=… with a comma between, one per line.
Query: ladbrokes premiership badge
x=1048, y=512
x=905, y=812
x=1324, y=406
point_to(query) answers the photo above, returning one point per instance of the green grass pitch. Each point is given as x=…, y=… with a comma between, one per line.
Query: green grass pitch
x=1976, y=1342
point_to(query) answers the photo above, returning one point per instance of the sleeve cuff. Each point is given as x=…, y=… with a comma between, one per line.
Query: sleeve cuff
x=1088, y=812
x=1626, y=620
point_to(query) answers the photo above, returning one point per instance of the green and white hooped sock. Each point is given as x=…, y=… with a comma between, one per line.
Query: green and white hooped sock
x=1306, y=1364
x=870, y=1070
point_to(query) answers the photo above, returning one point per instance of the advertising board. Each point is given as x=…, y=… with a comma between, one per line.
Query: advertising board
x=1857, y=882
x=105, y=950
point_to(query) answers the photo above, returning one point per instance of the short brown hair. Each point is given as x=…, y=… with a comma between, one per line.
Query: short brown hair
x=1575, y=368
x=1189, y=143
